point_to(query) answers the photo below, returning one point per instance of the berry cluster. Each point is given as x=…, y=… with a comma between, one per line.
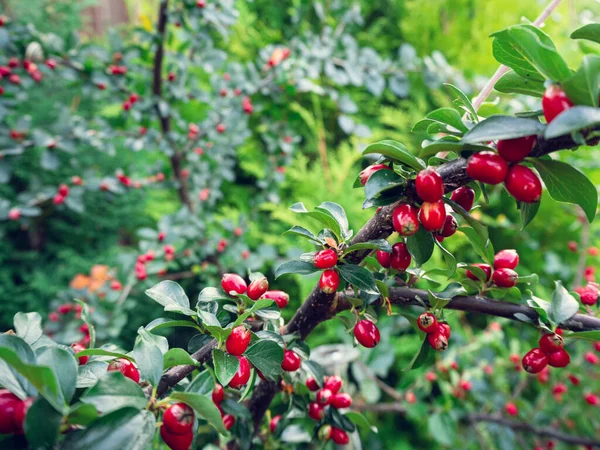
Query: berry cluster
x=234, y=284
x=12, y=412
x=438, y=333
x=328, y=396
x=218, y=395
x=177, y=427
x=330, y=278
x=503, y=275
x=550, y=352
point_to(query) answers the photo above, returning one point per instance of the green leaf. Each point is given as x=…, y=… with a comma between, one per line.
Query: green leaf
x=536, y=48
x=528, y=212
x=590, y=32
x=202, y=384
x=503, y=127
x=448, y=116
x=563, y=306
x=267, y=357
x=513, y=83
x=449, y=146
x=28, y=326
x=325, y=219
x=316, y=370
x=443, y=428
x=213, y=326
x=301, y=231
x=583, y=87
x=377, y=244
x=163, y=322
x=82, y=414
x=359, y=277
x=103, y=352
x=178, y=357
x=395, y=151
x=256, y=306
x=42, y=424
x=172, y=296
x=382, y=181
x=148, y=357
x=226, y=366
x=204, y=408
x=424, y=356
x=336, y=419
x=479, y=228
x=588, y=335
x=125, y=429
x=463, y=100
x=296, y=266
x=89, y=374
x=210, y=294
x=506, y=54
x=420, y=246
x=567, y=184
x=440, y=299
x=337, y=213
x=573, y=119
x=449, y=259
x=114, y=391
x=64, y=365
x=361, y=421
x=482, y=247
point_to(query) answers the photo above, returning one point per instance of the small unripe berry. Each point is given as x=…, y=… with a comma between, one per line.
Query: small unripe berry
x=279, y=297
x=324, y=433
x=486, y=269
x=427, y=322
x=333, y=383
x=384, y=258
x=340, y=437
x=325, y=259
x=432, y=215
x=367, y=172
x=401, y=258
x=511, y=409
x=316, y=411
x=218, y=394
x=126, y=367
x=77, y=348
x=550, y=343
x=179, y=418
x=291, y=361
x=311, y=384
x=273, y=423
x=487, y=167
x=257, y=288
x=341, y=400
x=554, y=102
x=329, y=281
x=506, y=259
x=450, y=226
x=242, y=375
x=523, y=184
x=233, y=284
x=429, y=185
x=437, y=340
x=324, y=397
x=405, y=220
x=237, y=342
x=534, y=361
x=515, y=150
x=367, y=333
x=505, y=278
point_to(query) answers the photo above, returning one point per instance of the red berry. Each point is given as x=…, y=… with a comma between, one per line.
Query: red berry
x=338, y=436
x=487, y=167
x=367, y=172
x=333, y=383
x=506, y=259
x=588, y=294
x=218, y=394
x=291, y=361
x=534, y=361
x=433, y=215
x=559, y=388
x=14, y=214
x=232, y=283
x=200, y=3
x=437, y=340
x=430, y=376
x=505, y=278
x=8, y=404
x=554, y=102
x=176, y=441
x=325, y=259
x=311, y=384
x=450, y=226
x=20, y=414
x=341, y=400
x=279, y=297
x=591, y=358
x=405, y=220
x=485, y=267
x=367, y=333
x=126, y=367
x=63, y=190
x=574, y=379
x=329, y=281
x=64, y=308
x=324, y=397
x=273, y=423
x=221, y=128
x=228, y=421
x=523, y=184
x=77, y=348
x=53, y=317
x=58, y=199
x=239, y=339
x=242, y=375
x=592, y=399
x=429, y=185
x=179, y=418
x=550, y=343
x=257, y=288
x=384, y=258
x=511, y=409
x=427, y=322
x=316, y=411
x=515, y=150
x=444, y=328
x=400, y=259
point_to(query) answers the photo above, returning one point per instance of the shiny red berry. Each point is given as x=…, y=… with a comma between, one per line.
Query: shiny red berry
x=534, y=361
x=437, y=340
x=228, y=421
x=239, y=339
x=487, y=167
x=340, y=437
x=316, y=411
x=384, y=258
x=559, y=358
x=506, y=259
x=433, y=215
x=515, y=150
x=341, y=400
x=21, y=409
x=329, y=281
x=592, y=399
x=324, y=397
x=367, y=333
x=291, y=361
x=487, y=269
x=311, y=384
x=429, y=185
x=400, y=258
x=427, y=322
x=325, y=259
x=273, y=423
x=257, y=288
x=554, y=102
x=126, y=367
x=367, y=172
x=550, y=343
x=511, y=409
x=333, y=383
x=242, y=375
x=444, y=328
x=405, y=220
x=450, y=226
x=8, y=404
x=176, y=441
x=218, y=394
x=523, y=184
x=77, y=348
x=179, y=418
x=464, y=196
x=505, y=278
x=233, y=284
x=279, y=297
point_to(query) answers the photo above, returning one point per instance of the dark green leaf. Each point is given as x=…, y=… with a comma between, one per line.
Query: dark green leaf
x=463, y=101
x=226, y=366
x=506, y=54
x=148, y=357
x=583, y=87
x=448, y=146
x=420, y=246
x=573, y=119
x=177, y=357
x=113, y=391
x=382, y=181
x=204, y=408
x=64, y=365
x=359, y=277
x=588, y=335
x=513, y=83
x=337, y=213
x=395, y=151
x=298, y=267
x=88, y=374
x=590, y=32
x=377, y=244
x=324, y=218
x=82, y=414
x=482, y=247
x=449, y=259
x=443, y=428
x=267, y=357
x=503, y=127
x=42, y=424
x=439, y=300
x=202, y=384
x=361, y=421
x=301, y=231
x=424, y=356
x=163, y=322
x=448, y=116
x=528, y=212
